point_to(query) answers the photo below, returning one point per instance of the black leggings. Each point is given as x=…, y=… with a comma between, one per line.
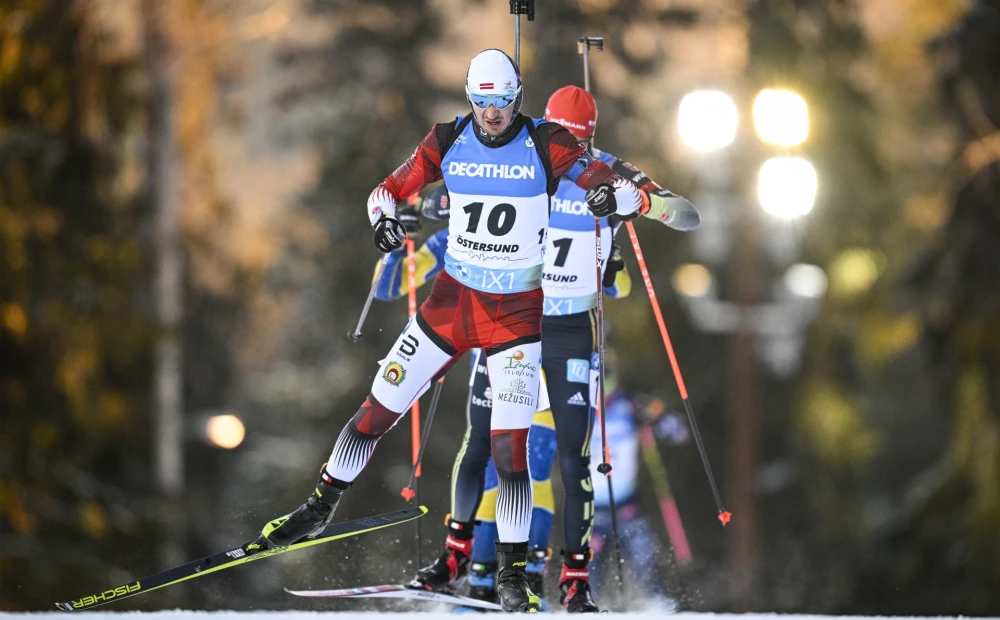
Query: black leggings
x=568, y=344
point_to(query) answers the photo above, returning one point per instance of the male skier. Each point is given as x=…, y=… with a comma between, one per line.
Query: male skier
x=500, y=168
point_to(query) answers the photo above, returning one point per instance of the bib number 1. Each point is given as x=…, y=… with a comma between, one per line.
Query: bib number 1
x=562, y=246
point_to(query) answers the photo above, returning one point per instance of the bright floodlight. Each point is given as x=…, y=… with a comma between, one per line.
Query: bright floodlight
x=225, y=431
x=781, y=117
x=807, y=281
x=787, y=186
x=692, y=280
x=707, y=120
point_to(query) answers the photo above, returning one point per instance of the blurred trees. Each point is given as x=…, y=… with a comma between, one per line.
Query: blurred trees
x=889, y=489
x=822, y=429
x=75, y=333
x=883, y=454
x=945, y=545
x=882, y=481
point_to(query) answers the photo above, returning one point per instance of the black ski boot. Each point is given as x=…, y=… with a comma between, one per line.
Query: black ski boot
x=310, y=519
x=574, y=582
x=537, y=559
x=512, y=582
x=448, y=572
x=483, y=581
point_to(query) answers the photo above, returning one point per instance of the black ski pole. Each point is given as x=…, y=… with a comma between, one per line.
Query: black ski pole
x=583, y=47
x=517, y=9
x=355, y=334
x=408, y=493
x=723, y=515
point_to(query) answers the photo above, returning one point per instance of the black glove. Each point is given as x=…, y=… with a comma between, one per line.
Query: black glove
x=389, y=234
x=436, y=205
x=409, y=218
x=615, y=264
x=601, y=200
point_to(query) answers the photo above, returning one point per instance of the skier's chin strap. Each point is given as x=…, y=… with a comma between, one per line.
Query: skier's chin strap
x=504, y=138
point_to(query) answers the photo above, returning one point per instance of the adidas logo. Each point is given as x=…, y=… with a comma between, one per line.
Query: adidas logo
x=577, y=399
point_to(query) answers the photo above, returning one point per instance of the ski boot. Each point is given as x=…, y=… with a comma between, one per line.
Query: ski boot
x=574, y=582
x=310, y=519
x=537, y=559
x=482, y=586
x=448, y=572
x=512, y=582
x=483, y=581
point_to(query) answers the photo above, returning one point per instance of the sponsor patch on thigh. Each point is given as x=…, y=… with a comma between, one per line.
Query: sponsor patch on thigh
x=577, y=370
x=394, y=373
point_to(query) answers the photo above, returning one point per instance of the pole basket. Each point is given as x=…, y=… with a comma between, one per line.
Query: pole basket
x=523, y=7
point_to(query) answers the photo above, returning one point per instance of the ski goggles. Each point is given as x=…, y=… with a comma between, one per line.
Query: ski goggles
x=499, y=101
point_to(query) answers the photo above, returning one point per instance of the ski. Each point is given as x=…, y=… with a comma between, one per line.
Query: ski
x=240, y=555
x=398, y=591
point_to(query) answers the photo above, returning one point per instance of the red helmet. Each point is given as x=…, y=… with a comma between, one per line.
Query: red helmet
x=575, y=109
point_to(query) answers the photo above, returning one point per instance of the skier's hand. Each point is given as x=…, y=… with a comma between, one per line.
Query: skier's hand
x=389, y=234
x=436, y=205
x=615, y=264
x=601, y=200
x=409, y=218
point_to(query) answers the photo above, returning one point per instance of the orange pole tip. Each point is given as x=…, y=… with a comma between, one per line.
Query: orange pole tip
x=725, y=516
x=408, y=493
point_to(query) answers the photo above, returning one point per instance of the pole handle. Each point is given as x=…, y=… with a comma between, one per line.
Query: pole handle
x=523, y=7
x=584, y=43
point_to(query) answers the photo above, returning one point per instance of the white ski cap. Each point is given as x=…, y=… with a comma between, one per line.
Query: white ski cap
x=492, y=72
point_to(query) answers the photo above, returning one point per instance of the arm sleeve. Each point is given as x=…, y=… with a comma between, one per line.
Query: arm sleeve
x=570, y=159
x=421, y=169
x=659, y=203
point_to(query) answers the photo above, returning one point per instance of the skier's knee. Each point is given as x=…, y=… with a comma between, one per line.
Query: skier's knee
x=510, y=450
x=374, y=418
x=575, y=468
x=477, y=450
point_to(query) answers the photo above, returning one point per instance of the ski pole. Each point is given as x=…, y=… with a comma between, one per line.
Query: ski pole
x=355, y=334
x=408, y=493
x=517, y=9
x=411, y=295
x=668, y=507
x=583, y=47
x=724, y=515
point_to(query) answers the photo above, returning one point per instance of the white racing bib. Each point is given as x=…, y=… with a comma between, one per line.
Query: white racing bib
x=569, y=278
x=499, y=213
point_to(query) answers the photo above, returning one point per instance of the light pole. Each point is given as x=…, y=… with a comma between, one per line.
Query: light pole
x=786, y=188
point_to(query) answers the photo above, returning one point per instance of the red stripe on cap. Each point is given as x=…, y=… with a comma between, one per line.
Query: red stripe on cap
x=486, y=85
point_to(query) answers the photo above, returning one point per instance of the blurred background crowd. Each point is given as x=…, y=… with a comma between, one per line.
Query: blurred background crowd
x=183, y=245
